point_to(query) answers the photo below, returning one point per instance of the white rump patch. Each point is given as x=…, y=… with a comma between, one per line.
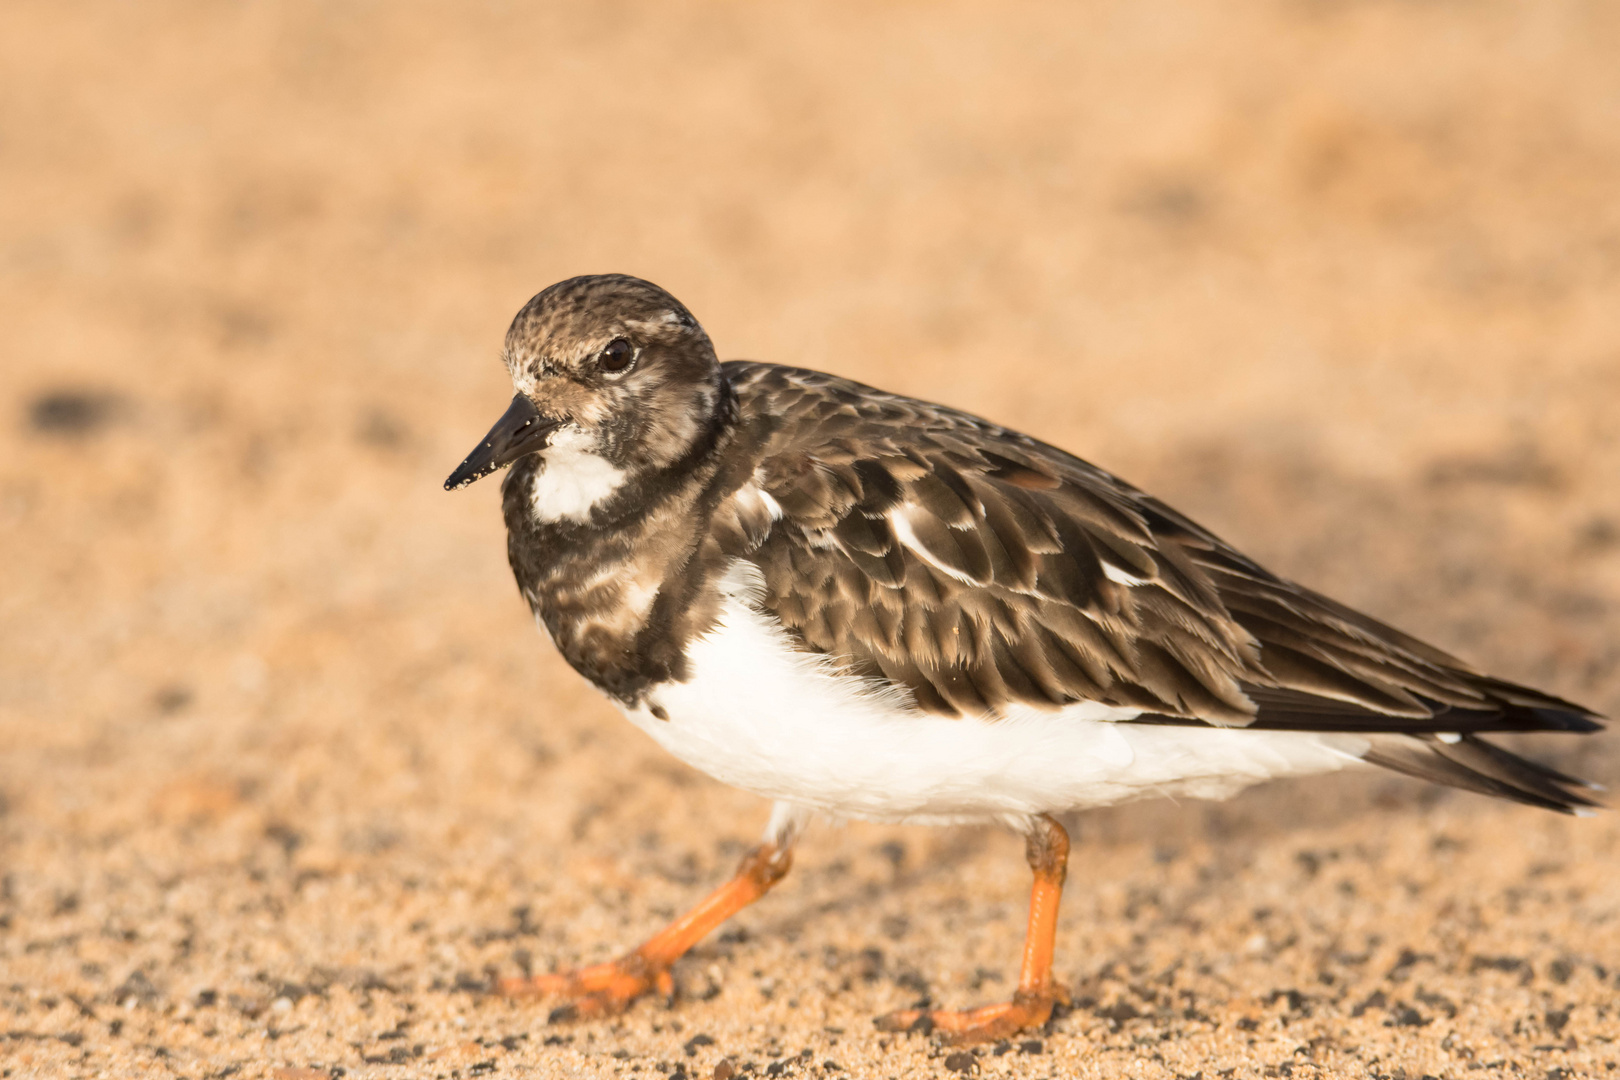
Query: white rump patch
x=763, y=715
x=572, y=478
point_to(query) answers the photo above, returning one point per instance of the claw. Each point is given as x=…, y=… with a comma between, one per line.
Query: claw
x=519, y=986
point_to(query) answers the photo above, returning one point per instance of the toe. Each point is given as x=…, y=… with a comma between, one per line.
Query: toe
x=917, y=1020
x=982, y=1025
x=986, y=1024
x=537, y=986
x=598, y=990
x=590, y=1007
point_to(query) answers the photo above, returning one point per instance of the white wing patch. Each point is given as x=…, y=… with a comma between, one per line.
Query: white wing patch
x=772, y=507
x=1118, y=576
x=908, y=540
x=751, y=497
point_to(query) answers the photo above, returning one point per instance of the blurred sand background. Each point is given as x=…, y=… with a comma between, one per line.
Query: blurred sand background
x=285, y=771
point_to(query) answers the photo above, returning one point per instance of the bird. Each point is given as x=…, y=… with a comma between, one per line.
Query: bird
x=861, y=605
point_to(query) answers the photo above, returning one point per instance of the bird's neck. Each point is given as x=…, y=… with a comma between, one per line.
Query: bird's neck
x=618, y=581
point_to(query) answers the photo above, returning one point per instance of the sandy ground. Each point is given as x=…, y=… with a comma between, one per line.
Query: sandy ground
x=285, y=772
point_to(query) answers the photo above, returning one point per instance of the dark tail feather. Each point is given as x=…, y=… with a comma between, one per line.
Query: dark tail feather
x=1476, y=765
x=1550, y=713
x=1509, y=708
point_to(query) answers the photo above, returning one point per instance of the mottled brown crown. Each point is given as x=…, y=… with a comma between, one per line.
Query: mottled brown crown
x=563, y=321
x=645, y=417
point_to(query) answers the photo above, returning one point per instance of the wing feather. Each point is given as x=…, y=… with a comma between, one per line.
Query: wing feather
x=981, y=569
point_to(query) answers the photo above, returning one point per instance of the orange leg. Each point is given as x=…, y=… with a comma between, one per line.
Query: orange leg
x=1047, y=849
x=604, y=989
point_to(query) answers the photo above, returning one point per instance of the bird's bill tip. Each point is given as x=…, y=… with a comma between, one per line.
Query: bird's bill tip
x=521, y=430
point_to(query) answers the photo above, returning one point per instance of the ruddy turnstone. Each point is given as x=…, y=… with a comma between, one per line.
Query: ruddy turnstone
x=862, y=605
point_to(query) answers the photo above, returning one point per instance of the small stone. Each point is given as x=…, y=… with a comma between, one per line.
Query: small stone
x=73, y=413
x=1405, y=1016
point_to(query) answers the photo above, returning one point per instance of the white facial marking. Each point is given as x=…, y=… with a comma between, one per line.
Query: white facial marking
x=668, y=318
x=638, y=596
x=522, y=381
x=572, y=478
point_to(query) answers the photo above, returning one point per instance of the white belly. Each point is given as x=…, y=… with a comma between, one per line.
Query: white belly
x=761, y=715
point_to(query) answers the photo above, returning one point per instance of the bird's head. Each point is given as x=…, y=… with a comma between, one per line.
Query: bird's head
x=614, y=377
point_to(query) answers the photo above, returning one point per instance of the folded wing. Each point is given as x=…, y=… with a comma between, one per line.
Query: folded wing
x=982, y=569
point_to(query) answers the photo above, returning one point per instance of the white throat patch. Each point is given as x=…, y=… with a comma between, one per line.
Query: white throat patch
x=572, y=478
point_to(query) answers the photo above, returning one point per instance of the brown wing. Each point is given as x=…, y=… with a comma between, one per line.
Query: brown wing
x=981, y=568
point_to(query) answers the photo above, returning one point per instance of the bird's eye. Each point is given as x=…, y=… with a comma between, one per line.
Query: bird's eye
x=617, y=357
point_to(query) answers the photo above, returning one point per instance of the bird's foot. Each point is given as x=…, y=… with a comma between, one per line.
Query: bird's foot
x=598, y=990
x=1028, y=1009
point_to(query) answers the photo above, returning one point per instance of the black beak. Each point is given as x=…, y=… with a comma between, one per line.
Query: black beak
x=520, y=430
